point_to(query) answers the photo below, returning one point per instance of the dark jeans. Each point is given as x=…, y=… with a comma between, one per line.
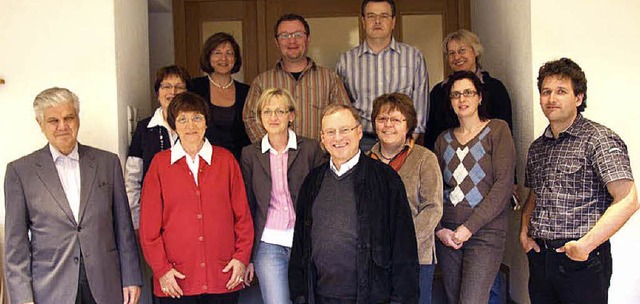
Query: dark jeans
x=225, y=298
x=426, y=283
x=84, y=295
x=554, y=278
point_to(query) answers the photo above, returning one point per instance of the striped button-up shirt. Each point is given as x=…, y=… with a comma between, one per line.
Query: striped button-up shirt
x=315, y=89
x=399, y=68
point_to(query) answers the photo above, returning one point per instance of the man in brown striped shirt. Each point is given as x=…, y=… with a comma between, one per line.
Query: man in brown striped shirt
x=313, y=87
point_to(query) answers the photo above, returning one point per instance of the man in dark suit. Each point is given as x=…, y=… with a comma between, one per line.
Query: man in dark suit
x=68, y=231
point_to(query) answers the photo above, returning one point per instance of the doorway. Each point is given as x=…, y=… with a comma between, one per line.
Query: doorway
x=335, y=28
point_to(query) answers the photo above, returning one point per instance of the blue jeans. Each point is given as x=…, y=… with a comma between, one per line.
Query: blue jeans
x=426, y=283
x=271, y=265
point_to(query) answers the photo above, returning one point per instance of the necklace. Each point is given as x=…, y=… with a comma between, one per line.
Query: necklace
x=388, y=158
x=224, y=87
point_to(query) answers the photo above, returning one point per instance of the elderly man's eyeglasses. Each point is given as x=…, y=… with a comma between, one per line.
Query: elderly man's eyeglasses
x=278, y=112
x=168, y=86
x=343, y=131
x=394, y=120
x=194, y=119
x=296, y=35
x=465, y=93
x=383, y=16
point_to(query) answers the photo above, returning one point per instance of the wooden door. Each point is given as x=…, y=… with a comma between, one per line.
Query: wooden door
x=335, y=27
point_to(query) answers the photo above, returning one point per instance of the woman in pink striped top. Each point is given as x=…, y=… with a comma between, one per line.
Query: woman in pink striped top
x=274, y=169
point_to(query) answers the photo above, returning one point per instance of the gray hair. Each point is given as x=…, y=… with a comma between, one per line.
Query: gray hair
x=53, y=97
x=467, y=37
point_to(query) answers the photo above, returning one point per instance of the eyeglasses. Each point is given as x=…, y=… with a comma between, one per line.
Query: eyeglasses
x=461, y=51
x=194, y=119
x=465, y=93
x=220, y=54
x=168, y=86
x=343, y=131
x=394, y=120
x=278, y=112
x=383, y=16
x=296, y=35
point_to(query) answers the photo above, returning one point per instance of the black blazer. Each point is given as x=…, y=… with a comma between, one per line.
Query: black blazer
x=256, y=171
x=239, y=137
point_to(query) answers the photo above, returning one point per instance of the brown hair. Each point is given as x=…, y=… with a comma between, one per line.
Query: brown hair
x=186, y=102
x=213, y=42
x=170, y=70
x=399, y=102
x=565, y=67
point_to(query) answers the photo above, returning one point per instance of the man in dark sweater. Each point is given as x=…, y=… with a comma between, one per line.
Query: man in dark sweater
x=354, y=240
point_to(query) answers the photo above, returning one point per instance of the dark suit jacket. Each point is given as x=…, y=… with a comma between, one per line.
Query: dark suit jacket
x=44, y=267
x=256, y=171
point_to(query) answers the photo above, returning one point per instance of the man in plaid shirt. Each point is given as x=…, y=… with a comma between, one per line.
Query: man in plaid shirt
x=582, y=192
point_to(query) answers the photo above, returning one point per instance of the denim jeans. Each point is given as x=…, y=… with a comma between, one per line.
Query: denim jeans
x=426, y=283
x=271, y=265
x=554, y=278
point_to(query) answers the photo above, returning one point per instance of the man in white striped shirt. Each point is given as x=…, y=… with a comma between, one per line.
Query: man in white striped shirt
x=382, y=65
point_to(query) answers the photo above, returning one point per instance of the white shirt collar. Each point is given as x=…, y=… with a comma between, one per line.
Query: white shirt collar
x=346, y=166
x=292, y=143
x=157, y=119
x=73, y=155
x=177, y=152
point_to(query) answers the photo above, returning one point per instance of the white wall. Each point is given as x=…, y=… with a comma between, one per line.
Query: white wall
x=600, y=36
x=71, y=44
x=132, y=63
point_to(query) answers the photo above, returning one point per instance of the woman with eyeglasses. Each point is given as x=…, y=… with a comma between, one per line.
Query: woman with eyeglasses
x=220, y=58
x=273, y=171
x=394, y=120
x=152, y=135
x=463, y=51
x=477, y=160
x=195, y=224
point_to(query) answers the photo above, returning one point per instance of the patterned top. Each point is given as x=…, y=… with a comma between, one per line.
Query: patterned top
x=478, y=177
x=316, y=88
x=569, y=177
x=399, y=68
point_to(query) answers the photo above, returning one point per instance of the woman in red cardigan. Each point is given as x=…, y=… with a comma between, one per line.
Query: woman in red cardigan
x=195, y=225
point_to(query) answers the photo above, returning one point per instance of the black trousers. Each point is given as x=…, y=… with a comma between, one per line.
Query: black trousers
x=554, y=278
x=225, y=298
x=84, y=295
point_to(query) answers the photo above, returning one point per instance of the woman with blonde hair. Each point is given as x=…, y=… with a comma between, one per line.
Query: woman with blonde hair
x=273, y=170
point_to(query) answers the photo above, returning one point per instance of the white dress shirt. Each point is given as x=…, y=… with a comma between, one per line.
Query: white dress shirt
x=68, y=167
x=177, y=152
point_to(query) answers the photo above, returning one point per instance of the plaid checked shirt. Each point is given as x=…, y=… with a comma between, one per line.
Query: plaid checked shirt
x=569, y=176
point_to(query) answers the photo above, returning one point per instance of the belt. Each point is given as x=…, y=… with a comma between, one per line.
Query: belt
x=552, y=244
